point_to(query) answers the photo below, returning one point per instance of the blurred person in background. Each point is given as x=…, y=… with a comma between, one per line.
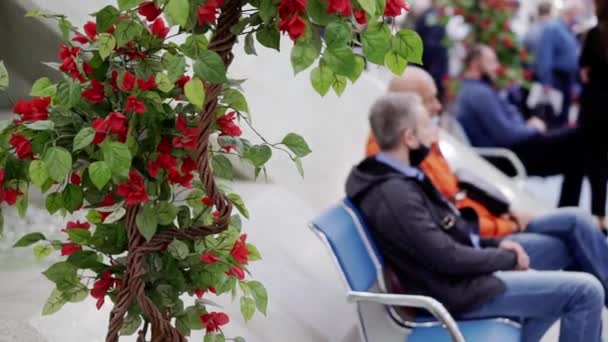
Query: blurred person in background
x=435, y=250
x=435, y=54
x=532, y=37
x=593, y=119
x=556, y=57
x=490, y=121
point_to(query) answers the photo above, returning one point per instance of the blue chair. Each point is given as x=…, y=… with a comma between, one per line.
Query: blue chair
x=342, y=230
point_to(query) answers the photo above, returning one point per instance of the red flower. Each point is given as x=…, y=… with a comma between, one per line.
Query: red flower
x=115, y=123
x=189, y=135
x=188, y=165
x=342, y=7
x=163, y=161
x=164, y=146
x=10, y=195
x=128, y=81
x=22, y=146
x=227, y=126
x=149, y=10
x=86, y=67
x=214, y=320
x=239, y=252
x=236, y=272
x=133, y=191
x=102, y=286
x=35, y=110
x=294, y=26
x=528, y=75
x=78, y=225
x=229, y=148
x=207, y=201
x=184, y=180
x=70, y=248
x=90, y=29
x=108, y=201
x=95, y=93
x=135, y=105
x=394, y=8
x=216, y=214
x=181, y=82
x=360, y=16
x=209, y=258
x=65, y=52
x=207, y=13
x=159, y=29
x=75, y=179
x=114, y=81
x=148, y=84
x=80, y=38
x=199, y=293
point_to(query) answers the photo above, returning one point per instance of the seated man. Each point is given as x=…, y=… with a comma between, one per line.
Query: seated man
x=490, y=121
x=432, y=248
x=571, y=238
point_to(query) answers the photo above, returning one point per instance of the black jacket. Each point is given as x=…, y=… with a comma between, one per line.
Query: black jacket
x=425, y=240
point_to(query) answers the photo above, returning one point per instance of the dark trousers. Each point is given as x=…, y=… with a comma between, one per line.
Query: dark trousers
x=557, y=152
x=564, y=82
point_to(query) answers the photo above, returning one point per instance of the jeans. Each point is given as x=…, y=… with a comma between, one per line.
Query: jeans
x=540, y=298
x=565, y=239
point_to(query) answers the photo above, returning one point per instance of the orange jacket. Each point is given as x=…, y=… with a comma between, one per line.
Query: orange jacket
x=437, y=169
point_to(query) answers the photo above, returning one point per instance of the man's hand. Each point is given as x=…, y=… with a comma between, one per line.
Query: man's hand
x=537, y=123
x=523, y=260
x=522, y=218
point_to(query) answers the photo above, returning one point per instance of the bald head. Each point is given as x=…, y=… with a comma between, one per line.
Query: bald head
x=418, y=81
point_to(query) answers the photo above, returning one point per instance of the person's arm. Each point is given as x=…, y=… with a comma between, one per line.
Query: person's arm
x=418, y=236
x=492, y=116
x=544, y=56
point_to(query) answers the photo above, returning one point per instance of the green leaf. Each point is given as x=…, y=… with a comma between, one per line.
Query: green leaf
x=42, y=251
x=5, y=124
x=369, y=6
x=85, y=259
x=76, y=294
x=359, y=67
x=317, y=10
x=54, y=303
x=42, y=125
x=68, y=94
x=106, y=44
x=61, y=272
x=210, y=67
x=296, y=144
x=94, y=217
x=38, y=173
x=126, y=31
x=254, y=253
x=258, y=155
x=178, y=11
x=303, y=55
x=181, y=323
x=339, y=85
x=195, y=92
x=247, y=308
x=299, y=166
x=194, y=46
x=341, y=60
x=83, y=138
x=260, y=295
x=146, y=221
x=58, y=163
x=163, y=82
x=268, y=10
x=79, y=236
x=235, y=100
x=54, y=202
x=376, y=42
x=166, y=213
x=100, y=174
x=66, y=27
x=29, y=239
x=408, y=45
x=4, y=79
x=175, y=66
x=72, y=198
x=127, y=4
x=222, y=167
x=117, y=156
x=322, y=78
x=106, y=18
x=239, y=339
x=239, y=204
x=270, y=37
x=395, y=63
x=43, y=87
x=130, y=324
x=178, y=249
x=214, y=338
x=250, y=44
x=338, y=34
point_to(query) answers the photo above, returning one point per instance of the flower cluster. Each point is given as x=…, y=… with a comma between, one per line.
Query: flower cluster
x=290, y=13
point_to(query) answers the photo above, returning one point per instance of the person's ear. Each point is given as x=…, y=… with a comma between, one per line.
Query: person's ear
x=409, y=138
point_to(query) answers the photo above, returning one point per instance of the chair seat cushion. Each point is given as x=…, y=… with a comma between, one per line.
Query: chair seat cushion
x=473, y=331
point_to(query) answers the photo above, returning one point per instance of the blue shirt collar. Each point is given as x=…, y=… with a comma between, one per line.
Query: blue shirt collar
x=400, y=166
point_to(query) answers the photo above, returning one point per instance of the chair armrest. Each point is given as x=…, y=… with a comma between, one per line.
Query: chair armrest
x=507, y=154
x=431, y=305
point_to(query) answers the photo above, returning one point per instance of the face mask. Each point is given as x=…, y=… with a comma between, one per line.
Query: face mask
x=419, y=154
